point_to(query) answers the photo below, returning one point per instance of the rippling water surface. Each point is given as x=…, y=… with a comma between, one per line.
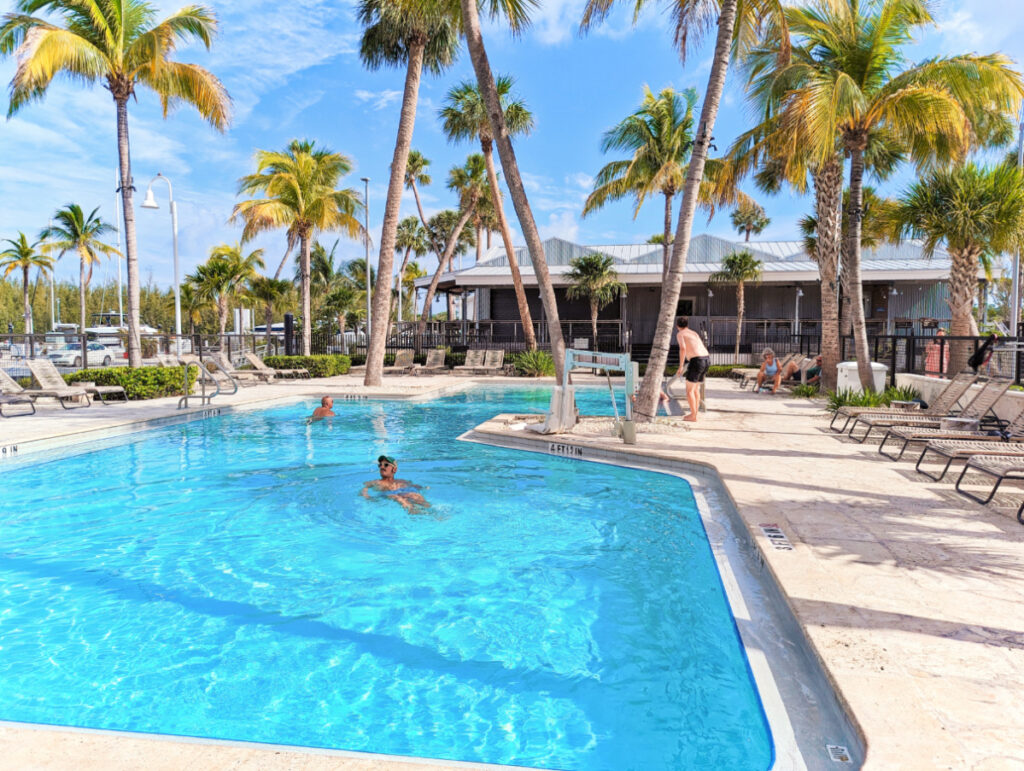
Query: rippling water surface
x=224, y=579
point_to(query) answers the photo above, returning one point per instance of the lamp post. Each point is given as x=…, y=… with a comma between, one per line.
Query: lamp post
x=796, y=310
x=150, y=203
x=366, y=241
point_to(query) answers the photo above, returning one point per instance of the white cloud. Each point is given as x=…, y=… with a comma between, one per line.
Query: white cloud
x=561, y=225
x=379, y=99
x=960, y=28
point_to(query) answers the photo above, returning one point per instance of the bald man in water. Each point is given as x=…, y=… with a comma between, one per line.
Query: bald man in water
x=324, y=410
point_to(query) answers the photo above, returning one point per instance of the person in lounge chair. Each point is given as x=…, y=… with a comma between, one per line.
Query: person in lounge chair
x=770, y=371
x=792, y=371
x=324, y=410
x=401, y=491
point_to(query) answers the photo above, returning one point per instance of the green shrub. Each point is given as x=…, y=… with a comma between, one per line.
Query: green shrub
x=534, y=364
x=138, y=382
x=723, y=370
x=847, y=397
x=805, y=391
x=357, y=359
x=326, y=365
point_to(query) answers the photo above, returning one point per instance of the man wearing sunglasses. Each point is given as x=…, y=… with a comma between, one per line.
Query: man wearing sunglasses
x=399, y=490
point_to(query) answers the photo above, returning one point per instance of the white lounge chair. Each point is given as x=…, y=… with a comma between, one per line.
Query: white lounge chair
x=48, y=377
x=9, y=385
x=262, y=366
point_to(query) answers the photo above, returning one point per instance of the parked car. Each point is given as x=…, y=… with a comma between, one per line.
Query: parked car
x=71, y=356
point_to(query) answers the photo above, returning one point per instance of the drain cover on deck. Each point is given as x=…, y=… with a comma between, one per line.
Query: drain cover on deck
x=838, y=754
x=775, y=536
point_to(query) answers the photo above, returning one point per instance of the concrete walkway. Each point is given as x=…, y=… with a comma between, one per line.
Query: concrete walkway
x=911, y=595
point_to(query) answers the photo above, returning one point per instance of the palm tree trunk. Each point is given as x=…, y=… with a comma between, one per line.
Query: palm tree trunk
x=740, y=308
x=666, y=243
x=82, y=282
x=438, y=248
x=963, y=277
x=488, y=238
x=284, y=260
x=268, y=319
x=450, y=302
x=748, y=235
x=489, y=92
x=828, y=191
x=26, y=305
x=222, y=318
x=860, y=332
x=593, y=322
x=382, y=286
x=487, y=146
x=307, y=324
x=131, y=250
x=479, y=243
x=650, y=387
x=446, y=258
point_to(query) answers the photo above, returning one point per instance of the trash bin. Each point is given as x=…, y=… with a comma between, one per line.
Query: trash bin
x=848, y=377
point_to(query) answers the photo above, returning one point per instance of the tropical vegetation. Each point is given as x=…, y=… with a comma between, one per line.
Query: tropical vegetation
x=122, y=45
x=592, y=278
x=739, y=268
x=22, y=255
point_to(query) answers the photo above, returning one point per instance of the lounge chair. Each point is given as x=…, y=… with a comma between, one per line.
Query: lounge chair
x=217, y=375
x=48, y=377
x=262, y=366
x=952, y=450
x=908, y=435
x=435, y=362
x=63, y=393
x=403, y=362
x=244, y=376
x=474, y=361
x=941, y=405
x=494, y=360
x=10, y=399
x=979, y=408
x=1002, y=467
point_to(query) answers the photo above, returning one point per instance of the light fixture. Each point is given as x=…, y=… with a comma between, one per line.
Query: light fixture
x=710, y=293
x=150, y=202
x=799, y=292
x=892, y=291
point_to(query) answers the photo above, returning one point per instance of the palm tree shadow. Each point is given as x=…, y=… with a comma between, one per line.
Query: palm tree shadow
x=394, y=649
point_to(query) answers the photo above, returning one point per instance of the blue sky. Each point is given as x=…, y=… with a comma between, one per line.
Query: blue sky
x=293, y=71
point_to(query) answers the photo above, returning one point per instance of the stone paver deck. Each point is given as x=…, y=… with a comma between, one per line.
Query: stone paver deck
x=911, y=595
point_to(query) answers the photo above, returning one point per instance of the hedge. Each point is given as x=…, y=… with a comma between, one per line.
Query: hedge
x=137, y=382
x=326, y=365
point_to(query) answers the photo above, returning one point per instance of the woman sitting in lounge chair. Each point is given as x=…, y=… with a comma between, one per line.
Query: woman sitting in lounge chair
x=770, y=371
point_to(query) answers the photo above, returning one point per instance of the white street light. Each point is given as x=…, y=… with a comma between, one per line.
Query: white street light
x=150, y=203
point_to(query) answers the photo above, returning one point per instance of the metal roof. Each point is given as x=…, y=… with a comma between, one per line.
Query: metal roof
x=641, y=263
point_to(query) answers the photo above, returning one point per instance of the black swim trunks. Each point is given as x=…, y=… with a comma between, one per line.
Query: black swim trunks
x=698, y=368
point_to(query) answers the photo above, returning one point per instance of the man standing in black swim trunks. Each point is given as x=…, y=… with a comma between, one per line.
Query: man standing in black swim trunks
x=692, y=348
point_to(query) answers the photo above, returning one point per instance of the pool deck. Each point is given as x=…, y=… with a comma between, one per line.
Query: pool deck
x=910, y=595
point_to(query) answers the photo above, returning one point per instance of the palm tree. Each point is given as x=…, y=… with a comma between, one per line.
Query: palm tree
x=193, y=303
x=845, y=89
x=738, y=268
x=415, y=176
x=749, y=218
x=300, y=193
x=594, y=279
x=413, y=35
x=412, y=237
x=470, y=182
x=221, y=278
x=515, y=11
x=121, y=44
x=21, y=255
x=976, y=212
x=464, y=117
x=73, y=231
x=271, y=293
x=658, y=137
x=736, y=34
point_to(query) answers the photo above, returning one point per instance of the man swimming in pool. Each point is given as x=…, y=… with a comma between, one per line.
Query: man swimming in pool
x=323, y=411
x=400, y=490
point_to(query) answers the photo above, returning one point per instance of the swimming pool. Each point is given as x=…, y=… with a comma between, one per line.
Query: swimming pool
x=223, y=579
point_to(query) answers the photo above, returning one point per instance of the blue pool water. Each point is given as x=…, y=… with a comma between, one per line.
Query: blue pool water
x=223, y=579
